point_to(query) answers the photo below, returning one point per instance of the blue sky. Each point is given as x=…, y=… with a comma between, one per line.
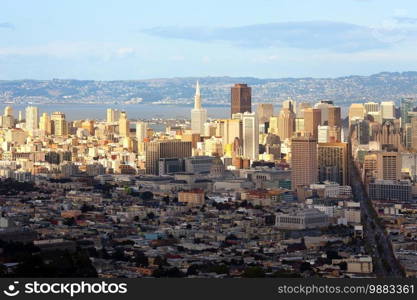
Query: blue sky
x=134, y=39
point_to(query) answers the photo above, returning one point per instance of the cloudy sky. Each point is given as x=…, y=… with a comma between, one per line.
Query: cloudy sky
x=137, y=39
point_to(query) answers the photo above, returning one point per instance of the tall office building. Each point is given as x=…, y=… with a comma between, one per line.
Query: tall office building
x=45, y=124
x=112, y=115
x=356, y=112
x=250, y=133
x=124, y=125
x=59, y=124
x=141, y=131
x=300, y=109
x=229, y=130
x=388, y=110
x=408, y=135
x=32, y=118
x=241, y=98
x=289, y=104
x=413, y=133
x=304, y=168
x=156, y=150
x=312, y=119
x=389, y=133
x=360, y=130
x=198, y=113
x=333, y=162
x=389, y=166
x=334, y=116
x=324, y=108
x=372, y=107
x=323, y=134
x=273, y=125
x=407, y=105
x=7, y=120
x=264, y=111
x=8, y=111
x=299, y=125
x=286, y=124
x=369, y=165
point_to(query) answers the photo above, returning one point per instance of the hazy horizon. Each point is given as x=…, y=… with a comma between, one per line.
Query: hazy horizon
x=211, y=76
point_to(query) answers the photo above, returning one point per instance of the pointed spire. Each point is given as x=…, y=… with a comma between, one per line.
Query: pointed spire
x=197, y=97
x=197, y=88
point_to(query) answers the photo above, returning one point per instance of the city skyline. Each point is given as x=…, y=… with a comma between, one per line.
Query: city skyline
x=250, y=151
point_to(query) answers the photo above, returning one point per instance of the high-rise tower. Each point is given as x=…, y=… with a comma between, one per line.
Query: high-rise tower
x=124, y=125
x=304, y=166
x=312, y=119
x=60, y=125
x=32, y=118
x=198, y=113
x=241, y=99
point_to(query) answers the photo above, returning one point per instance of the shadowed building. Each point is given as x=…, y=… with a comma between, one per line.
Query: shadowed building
x=156, y=150
x=334, y=117
x=303, y=161
x=264, y=111
x=241, y=98
x=312, y=119
x=333, y=162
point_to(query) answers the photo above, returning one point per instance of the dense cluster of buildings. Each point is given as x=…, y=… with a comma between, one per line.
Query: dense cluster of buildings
x=260, y=193
x=383, y=140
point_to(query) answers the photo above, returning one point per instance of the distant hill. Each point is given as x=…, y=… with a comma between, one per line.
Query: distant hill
x=215, y=90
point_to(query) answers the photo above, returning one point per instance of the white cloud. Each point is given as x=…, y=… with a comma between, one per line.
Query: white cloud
x=122, y=52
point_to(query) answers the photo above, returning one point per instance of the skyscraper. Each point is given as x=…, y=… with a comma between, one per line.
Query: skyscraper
x=300, y=109
x=388, y=166
x=286, y=124
x=333, y=162
x=241, y=98
x=124, y=125
x=8, y=111
x=59, y=124
x=32, y=118
x=112, y=115
x=413, y=133
x=356, y=112
x=289, y=104
x=303, y=161
x=273, y=125
x=388, y=110
x=264, y=111
x=372, y=107
x=164, y=149
x=230, y=129
x=407, y=105
x=323, y=134
x=250, y=134
x=324, y=107
x=7, y=120
x=360, y=130
x=45, y=123
x=334, y=116
x=198, y=114
x=141, y=131
x=312, y=119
